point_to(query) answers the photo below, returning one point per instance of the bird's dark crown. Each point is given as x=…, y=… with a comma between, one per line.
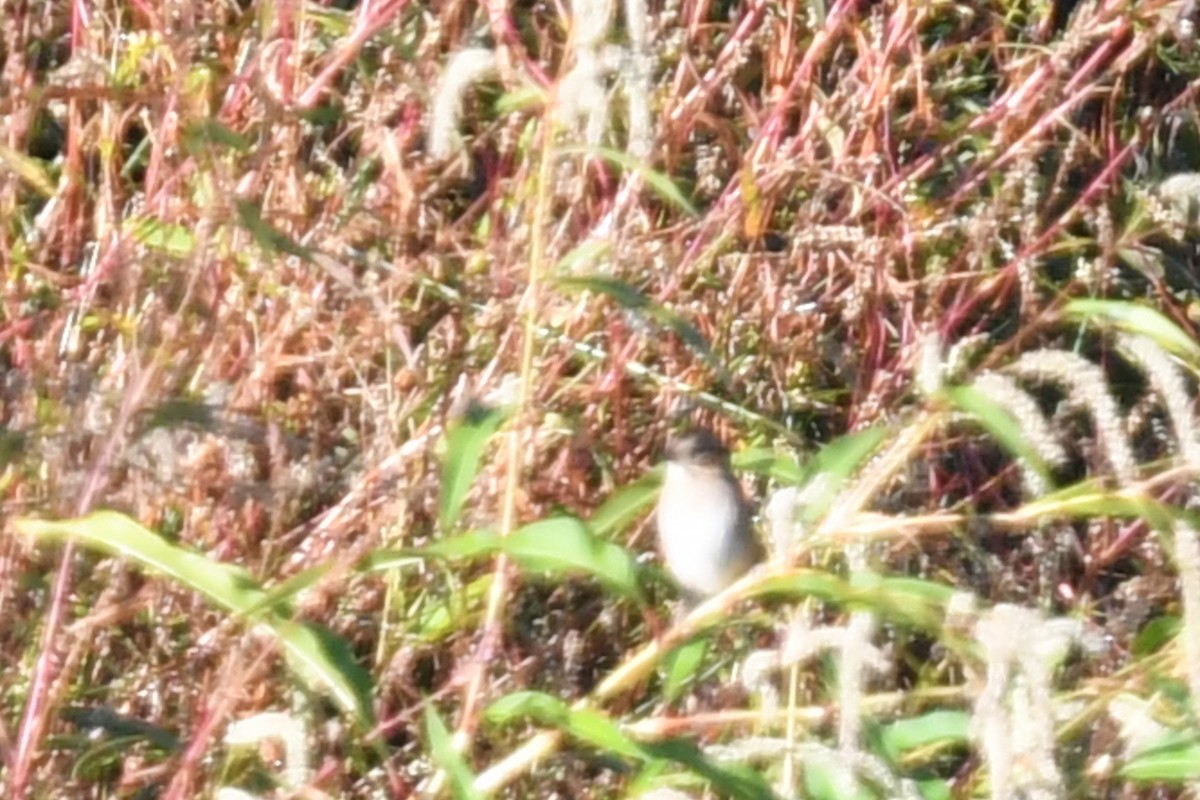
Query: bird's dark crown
x=700, y=447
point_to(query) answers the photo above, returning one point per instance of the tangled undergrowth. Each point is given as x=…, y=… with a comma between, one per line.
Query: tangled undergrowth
x=339, y=342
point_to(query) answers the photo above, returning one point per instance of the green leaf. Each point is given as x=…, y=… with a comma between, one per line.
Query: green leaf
x=102, y=718
x=558, y=546
x=1155, y=635
x=594, y=728
x=908, y=601
x=633, y=300
x=181, y=411
x=933, y=728
x=564, y=545
x=600, y=731
x=826, y=781
x=323, y=659
x=476, y=544
x=934, y=789
x=102, y=756
x=163, y=236
x=1174, y=762
x=681, y=665
x=227, y=585
x=625, y=505
x=659, y=183
x=737, y=781
x=266, y=235
x=1086, y=499
x=439, y=616
x=543, y=708
x=464, y=451
x=835, y=463
x=587, y=725
x=1137, y=318
x=1000, y=423
x=320, y=658
x=279, y=596
x=762, y=461
x=526, y=96
x=446, y=756
x=211, y=131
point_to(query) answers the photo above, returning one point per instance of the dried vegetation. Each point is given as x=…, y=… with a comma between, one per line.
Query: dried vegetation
x=267, y=265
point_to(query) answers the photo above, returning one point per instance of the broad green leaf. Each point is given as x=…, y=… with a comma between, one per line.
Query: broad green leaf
x=544, y=708
x=681, y=665
x=331, y=21
x=762, y=461
x=597, y=729
x=909, y=601
x=804, y=583
x=465, y=443
x=594, y=728
x=735, y=781
x=1001, y=424
x=475, y=544
x=1137, y=318
x=1174, y=762
x=1088, y=500
x=321, y=659
x=227, y=585
x=564, y=545
x=826, y=780
x=835, y=463
x=625, y=505
x=935, y=727
x=558, y=546
x=934, y=789
x=586, y=725
x=1155, y=634
x=446, y=756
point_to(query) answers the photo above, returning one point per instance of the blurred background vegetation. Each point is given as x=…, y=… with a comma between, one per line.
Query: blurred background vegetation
x=371, y=320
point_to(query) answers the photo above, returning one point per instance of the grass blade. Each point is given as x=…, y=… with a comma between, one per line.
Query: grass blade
x=464, y=451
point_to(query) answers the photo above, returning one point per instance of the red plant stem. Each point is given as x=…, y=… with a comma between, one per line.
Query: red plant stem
x=37, y=707
x=771, y=133
x=1101, y=55
x=368, y=22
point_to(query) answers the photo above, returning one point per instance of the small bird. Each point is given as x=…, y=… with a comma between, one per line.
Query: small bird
x=703, y=519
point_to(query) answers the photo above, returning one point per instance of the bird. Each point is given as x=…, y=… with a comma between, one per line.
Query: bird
x=703, y=519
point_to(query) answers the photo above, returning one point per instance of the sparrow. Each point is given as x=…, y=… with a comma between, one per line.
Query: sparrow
x=703, y=519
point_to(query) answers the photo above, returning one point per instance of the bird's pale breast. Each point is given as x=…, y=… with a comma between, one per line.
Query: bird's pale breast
x=700, y=519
